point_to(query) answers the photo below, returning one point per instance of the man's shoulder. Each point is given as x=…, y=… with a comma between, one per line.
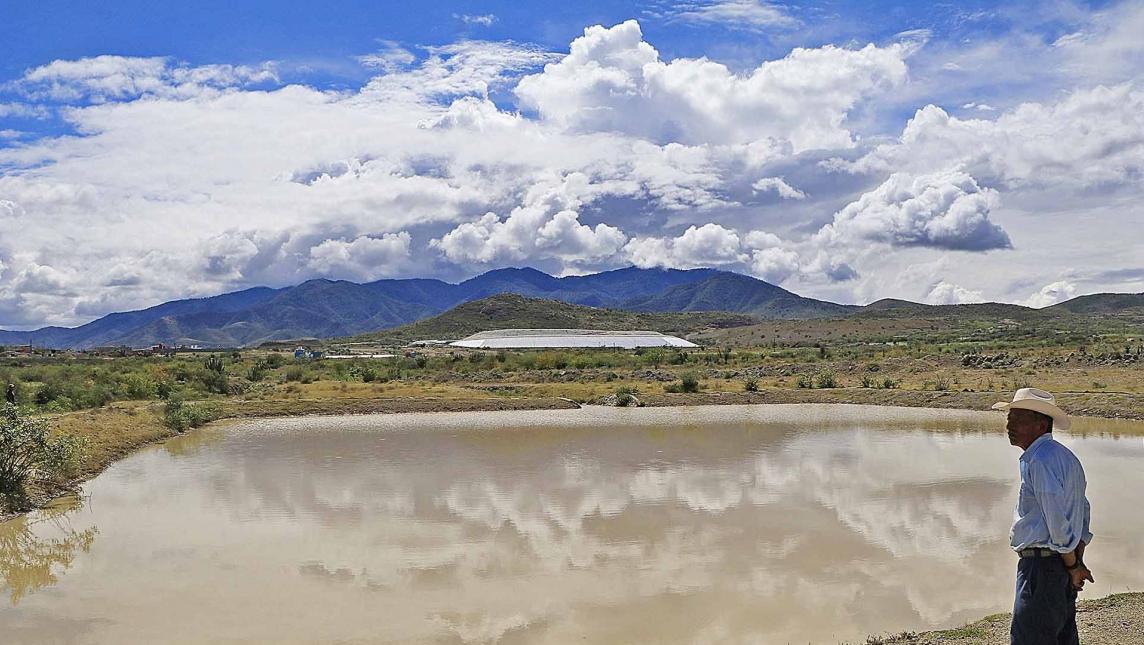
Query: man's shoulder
x=1056, y=453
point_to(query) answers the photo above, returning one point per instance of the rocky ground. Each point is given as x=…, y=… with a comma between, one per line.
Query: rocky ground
x=1113, y=620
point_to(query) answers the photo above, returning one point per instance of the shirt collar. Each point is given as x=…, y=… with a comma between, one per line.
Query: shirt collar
x=1037, y=443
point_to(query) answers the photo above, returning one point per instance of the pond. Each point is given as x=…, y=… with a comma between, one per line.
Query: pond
x=769, y=524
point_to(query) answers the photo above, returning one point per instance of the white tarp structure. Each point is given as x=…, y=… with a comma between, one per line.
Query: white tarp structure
x=568, y=338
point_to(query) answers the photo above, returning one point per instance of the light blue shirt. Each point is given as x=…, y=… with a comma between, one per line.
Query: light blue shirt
x=1052, y=511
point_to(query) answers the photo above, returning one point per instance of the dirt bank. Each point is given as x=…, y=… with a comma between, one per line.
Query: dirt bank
x=1109, y=405
x=1113, y=620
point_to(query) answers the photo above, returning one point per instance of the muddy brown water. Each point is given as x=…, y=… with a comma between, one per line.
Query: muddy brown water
x=767, y=524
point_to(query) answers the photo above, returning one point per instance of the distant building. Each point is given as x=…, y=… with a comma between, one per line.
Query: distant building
x=568, y=339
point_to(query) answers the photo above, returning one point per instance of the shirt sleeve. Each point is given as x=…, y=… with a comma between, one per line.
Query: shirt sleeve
x=1087, y=534
x=1050, y=495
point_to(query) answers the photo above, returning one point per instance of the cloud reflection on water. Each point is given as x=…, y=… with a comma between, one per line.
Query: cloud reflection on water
x=605, y=524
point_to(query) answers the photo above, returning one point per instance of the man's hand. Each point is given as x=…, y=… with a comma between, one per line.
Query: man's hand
x=1079, y=575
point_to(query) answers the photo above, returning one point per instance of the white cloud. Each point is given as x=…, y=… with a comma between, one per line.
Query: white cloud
x=947, y=293
x=547, y=225
x=613, y=155
x=779, y=186
x=613, y=81
x=1089, y=137
x=698, y=246
x=1051, y=294
x=483, y=20
x=751, y=15
x=364, y=258
x=945, y=209
x=391, y=58
x=103, y=78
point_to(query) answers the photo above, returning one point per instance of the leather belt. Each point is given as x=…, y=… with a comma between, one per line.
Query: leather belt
x=1037, y=553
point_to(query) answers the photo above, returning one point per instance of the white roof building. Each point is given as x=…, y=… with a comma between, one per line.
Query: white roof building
x=568, y=338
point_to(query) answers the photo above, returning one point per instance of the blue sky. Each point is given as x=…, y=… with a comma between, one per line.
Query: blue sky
x=944, y=152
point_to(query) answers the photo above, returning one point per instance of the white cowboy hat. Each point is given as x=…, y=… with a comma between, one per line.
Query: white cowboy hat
x=1030, y=398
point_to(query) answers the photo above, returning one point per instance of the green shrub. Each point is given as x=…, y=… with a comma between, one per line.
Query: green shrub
x=825, y=380
x=295, y=374
x=139, y=387
x=805, y=381
x=179, y=415
x=31, y=455
x=689, y=382
x=625, y=396
x=889, y=384
x=751, y=385
x=867, y=382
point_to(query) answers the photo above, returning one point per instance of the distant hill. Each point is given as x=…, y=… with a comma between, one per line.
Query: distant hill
x=892, y=308
x=741, y=294
x=1103, y=303
x=511, y=311
x=339, y=308
x=335, y=308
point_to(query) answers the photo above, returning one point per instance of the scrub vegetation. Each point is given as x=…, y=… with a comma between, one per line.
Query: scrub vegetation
x=114, y=403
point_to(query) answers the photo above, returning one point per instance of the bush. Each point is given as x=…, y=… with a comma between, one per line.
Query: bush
x=257, y=371
x=689, y=383
x=30, y=455
x=825, y=380
x=889, y=384
x=295, y=374
x=867, y=382
x=805, y=381
x=625, y=396
x=751, y=385
x=180, y=416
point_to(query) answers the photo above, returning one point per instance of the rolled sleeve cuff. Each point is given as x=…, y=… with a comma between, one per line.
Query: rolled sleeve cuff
x=1065, y=549
x=1087, y=537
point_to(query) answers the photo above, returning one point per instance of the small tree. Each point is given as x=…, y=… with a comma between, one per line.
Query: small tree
x=31, y=456
x=689, y=382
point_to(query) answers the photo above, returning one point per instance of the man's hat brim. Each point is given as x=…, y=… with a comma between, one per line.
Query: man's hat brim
x=1060, y=418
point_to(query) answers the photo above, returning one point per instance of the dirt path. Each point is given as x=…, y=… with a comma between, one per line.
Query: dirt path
x=1113, y=620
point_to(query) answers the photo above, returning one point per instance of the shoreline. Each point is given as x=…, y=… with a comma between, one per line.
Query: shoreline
x=121, y=429
x=1115, y=619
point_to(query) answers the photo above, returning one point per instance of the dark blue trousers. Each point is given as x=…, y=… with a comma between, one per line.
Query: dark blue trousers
x=1044, y=612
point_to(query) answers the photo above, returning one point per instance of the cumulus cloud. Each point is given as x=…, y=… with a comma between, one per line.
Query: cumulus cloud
x=457, y=158
x=1051, y=294
x=945, y=210
x=947, y=293
x=698, y=246
x=546, y=225
x=363, y=258
x=1090, y=137
x=779, y=187
x=614, y=81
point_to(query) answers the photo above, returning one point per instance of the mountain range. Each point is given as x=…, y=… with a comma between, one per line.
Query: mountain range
x=334, y=308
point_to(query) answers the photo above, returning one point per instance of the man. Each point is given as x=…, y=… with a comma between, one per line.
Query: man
x=1051, y=527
